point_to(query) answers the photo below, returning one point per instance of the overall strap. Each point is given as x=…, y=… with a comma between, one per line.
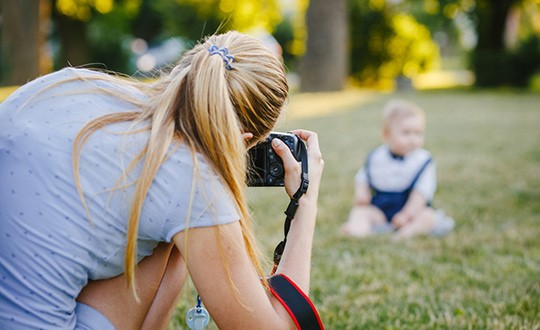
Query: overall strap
x=366, y=169
x=424, y=166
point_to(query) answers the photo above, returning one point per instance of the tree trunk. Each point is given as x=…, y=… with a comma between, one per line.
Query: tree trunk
x=74, y=49
x=325, y=64
x=19, y=41
x=490, y=58
x=492, y=16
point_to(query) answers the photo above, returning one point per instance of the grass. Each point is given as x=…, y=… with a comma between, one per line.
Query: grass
x=484, y=275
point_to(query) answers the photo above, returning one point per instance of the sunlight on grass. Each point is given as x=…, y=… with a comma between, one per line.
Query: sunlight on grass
x=322, y=104
x=6, y=91
x=484, y=275
x=443, y=79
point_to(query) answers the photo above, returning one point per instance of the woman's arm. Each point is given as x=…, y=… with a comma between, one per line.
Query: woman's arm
x=220, y=267
x=296, y=259
x=228, y=285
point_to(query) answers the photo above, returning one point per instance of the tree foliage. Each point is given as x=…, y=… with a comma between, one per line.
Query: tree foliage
x=193, y=19
x=93, y=31
x=386, y=44
x=84, y=10
x=505, y=34
x=387, y=38
x=99, y=31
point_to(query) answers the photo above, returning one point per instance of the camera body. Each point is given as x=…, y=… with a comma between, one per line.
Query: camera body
x=265, y=167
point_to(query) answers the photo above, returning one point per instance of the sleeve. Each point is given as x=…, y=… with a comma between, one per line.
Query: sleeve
x=361, y=176
x=427, y=182
x=184, y=195
x=203, y=201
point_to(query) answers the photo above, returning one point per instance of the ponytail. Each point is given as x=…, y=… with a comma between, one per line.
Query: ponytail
x=207, y=105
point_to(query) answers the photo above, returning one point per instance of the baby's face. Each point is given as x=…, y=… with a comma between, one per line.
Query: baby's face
x=405, y=135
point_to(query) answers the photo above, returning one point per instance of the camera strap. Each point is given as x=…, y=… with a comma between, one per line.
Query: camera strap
x=295, y=301
x=293, y=205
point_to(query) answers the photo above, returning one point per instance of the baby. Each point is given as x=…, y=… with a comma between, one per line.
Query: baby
x=395, y=189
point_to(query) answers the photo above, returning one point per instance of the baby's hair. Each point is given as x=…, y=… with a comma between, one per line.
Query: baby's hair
x=396, y=110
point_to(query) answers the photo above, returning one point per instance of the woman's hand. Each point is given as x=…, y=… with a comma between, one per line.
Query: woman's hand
x=292, y=167
x=296, y=259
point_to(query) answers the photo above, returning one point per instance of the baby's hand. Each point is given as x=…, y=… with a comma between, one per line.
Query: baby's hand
x=400, y=219
x=362, y=201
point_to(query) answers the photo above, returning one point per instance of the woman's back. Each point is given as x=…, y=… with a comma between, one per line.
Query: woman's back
x=50, y=248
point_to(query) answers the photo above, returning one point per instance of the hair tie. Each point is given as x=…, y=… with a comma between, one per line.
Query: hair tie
x=224, y=53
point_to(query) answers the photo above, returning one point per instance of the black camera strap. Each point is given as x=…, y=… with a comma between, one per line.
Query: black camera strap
x=293, y=204
x=295, y=301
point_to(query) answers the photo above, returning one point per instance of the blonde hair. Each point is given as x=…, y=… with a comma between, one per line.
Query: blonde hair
x=208, y=107
x=396, y=110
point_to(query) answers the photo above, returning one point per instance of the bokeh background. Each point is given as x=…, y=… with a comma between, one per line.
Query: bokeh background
x=326, y=45
x=472, y=65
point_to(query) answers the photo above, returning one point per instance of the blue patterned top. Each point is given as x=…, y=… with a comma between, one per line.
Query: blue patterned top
x=49, y=248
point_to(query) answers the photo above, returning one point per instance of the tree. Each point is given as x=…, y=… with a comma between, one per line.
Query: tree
x=387, y=44
x=194, y=19
x=72, y=35
x=493, y=61
x=19, y=41
x=94, y=31
x=490, y=55
x=324, y=66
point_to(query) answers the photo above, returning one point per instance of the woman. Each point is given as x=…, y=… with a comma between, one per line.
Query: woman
x=106, y=181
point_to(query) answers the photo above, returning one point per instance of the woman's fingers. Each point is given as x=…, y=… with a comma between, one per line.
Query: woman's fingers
x=291, y=166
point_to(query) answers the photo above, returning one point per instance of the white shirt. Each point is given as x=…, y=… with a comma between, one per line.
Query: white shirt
x=390, y=174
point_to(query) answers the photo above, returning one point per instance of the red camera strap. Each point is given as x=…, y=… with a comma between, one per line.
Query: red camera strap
x=296, y=302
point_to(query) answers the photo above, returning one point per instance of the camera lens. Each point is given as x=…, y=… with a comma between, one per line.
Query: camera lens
x=276, y=169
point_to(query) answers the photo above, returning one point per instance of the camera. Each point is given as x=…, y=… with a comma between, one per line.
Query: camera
x=265, y=167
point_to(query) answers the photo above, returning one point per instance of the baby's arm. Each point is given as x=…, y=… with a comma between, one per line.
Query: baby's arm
x=362, y=194
x=415, y=204
x=422, y=193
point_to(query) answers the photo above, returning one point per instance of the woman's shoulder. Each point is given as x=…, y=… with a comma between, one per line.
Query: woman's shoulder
x=186, y=162
x=68, y=74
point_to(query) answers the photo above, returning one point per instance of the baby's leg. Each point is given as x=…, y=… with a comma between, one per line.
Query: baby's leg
x=160, y=278
x=421, y=224
x=361, y=221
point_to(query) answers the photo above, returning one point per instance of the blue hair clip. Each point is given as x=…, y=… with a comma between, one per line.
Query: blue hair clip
x=224, y=53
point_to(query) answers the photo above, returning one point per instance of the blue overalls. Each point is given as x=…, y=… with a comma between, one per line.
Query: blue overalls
x=391, y=202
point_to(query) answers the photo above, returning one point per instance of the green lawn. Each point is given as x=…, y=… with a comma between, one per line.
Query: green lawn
x=484, y=275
